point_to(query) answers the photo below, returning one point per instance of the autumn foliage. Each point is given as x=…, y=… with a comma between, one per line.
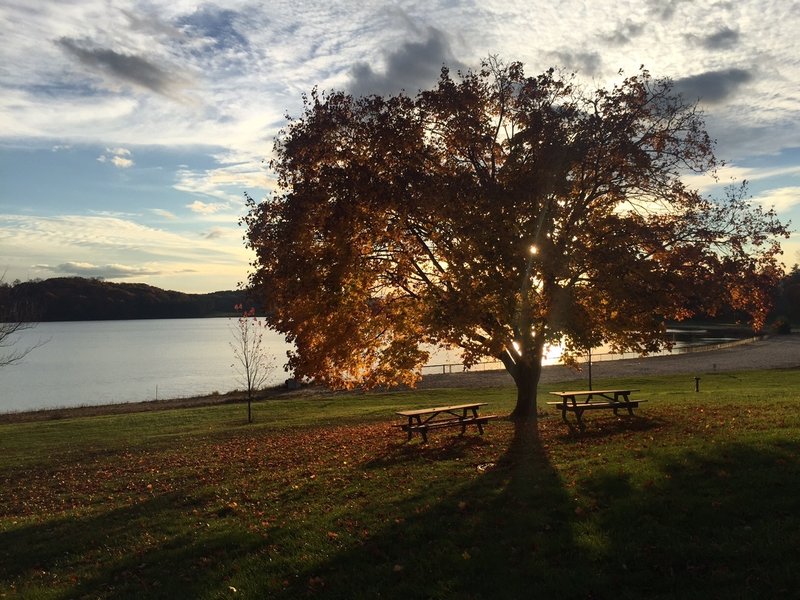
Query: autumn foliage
x=498, y=213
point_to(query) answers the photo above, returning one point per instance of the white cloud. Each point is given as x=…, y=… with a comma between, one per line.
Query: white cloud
x=121, y=162
x=165, y=214
x=226, y=183
x=42, y=246
x=732, y=173
x=781, y=199
x=206, y=208
x=119, y=157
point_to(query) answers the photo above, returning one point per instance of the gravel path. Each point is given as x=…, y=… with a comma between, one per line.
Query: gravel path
x=777, y=352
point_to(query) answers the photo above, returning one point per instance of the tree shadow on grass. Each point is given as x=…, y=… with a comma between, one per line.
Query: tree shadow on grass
x=399, y=453
x=722, y=524
x=503, y=532
x=90, y=556
x=609, y=427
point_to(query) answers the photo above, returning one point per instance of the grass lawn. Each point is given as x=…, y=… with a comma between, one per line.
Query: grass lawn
x=695, y=497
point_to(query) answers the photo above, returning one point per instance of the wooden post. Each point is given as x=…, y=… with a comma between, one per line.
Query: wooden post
x=590, y=368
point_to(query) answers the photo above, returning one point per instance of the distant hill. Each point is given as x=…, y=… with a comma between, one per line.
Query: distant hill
x=79, y=299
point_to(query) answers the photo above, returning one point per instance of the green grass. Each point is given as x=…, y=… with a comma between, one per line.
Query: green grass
x=695, y=497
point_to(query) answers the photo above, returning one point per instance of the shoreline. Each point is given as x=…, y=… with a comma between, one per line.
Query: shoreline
x=772, y=352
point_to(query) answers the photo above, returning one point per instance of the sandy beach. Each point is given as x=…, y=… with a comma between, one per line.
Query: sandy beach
x=775, y=352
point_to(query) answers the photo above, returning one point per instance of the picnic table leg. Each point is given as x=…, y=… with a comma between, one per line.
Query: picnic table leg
x=627, y=404
x=477, y=422
x=578, y=415
x=422, y=430
x=410, y=423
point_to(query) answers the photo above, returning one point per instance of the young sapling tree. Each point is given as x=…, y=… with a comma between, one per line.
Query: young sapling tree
x=252, y=362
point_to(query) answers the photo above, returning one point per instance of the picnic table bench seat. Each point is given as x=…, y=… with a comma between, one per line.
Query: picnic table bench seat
x=424, y=419
x=598, y=405
x=609, y=400
x=481, y=420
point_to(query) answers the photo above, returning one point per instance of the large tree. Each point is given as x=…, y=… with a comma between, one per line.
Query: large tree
x=498, y=213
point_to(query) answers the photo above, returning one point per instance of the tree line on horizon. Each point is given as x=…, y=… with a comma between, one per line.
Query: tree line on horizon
x=786, y=305
x=82, y=299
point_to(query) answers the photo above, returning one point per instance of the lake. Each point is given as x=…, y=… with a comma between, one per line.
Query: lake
x=103, y=362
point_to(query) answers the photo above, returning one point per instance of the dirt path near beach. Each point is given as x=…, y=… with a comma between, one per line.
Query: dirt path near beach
x=777, y=352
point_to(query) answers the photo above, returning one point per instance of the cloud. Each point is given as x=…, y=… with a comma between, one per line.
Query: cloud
x=131, y=69
x=119, y=157
x=411, y=67
x=217, y=25
x=713, y=87
x=625, y=33
x=586, y=63
x=781, y=199
x=122, y=163
x=663, y=10
x=119, y=151
x=214, y=234
x=733, y=173
x=150, y=24
x=96, y=246
x=207, y=208
x=164, y=214
x=111, y=271
x=227, y=182
x=722, y=39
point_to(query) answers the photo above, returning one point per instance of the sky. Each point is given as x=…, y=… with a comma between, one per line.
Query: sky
x=130, y=130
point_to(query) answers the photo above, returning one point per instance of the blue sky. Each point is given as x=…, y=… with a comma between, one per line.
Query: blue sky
x=129, y=131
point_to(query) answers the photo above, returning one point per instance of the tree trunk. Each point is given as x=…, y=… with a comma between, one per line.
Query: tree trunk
x=527, y=380
x=526, y=369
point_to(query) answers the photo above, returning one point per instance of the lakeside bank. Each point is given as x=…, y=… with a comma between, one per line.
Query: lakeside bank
x=774, y=352
x=771, y=352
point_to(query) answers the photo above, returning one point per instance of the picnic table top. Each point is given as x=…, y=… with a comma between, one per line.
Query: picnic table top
x=592, y=392
x=438, y=409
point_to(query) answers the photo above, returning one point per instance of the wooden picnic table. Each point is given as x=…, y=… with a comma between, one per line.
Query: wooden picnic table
x=608, y=399
x=460, y=415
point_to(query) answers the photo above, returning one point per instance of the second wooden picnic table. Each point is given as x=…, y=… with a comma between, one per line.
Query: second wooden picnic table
x=609, y=399
x=459, y=415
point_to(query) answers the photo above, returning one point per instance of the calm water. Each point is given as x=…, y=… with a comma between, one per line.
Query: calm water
x=101, y=362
